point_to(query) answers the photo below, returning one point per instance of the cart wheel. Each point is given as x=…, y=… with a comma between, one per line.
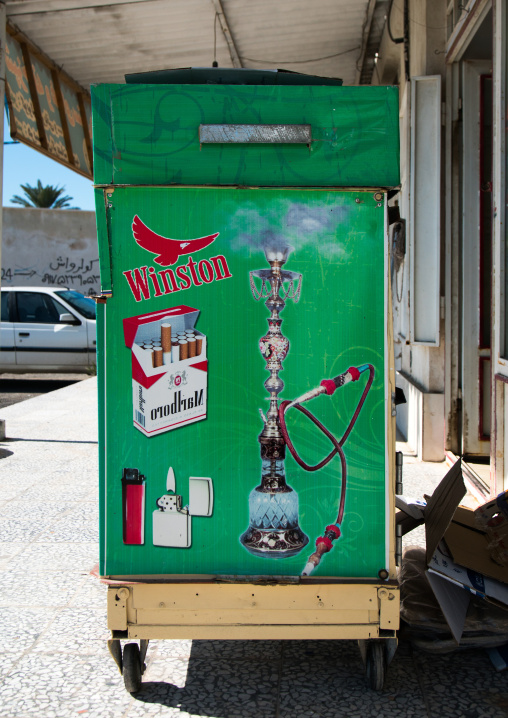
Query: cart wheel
x=375, y=667
x=131, y=668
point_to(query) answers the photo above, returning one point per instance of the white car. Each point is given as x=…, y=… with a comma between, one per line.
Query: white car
x=46, y=329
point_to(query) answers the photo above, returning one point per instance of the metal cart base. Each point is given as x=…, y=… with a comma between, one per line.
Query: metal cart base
x=365, y=612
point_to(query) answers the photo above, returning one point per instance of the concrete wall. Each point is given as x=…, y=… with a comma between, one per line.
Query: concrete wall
x=50, y=247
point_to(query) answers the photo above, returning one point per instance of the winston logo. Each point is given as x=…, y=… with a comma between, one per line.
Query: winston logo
x=183, y=276
x=168, y=249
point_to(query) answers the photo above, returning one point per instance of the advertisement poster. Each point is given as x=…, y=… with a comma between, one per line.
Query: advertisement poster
x=227, y=306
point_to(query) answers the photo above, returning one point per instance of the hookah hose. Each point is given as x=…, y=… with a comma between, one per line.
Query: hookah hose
x=328, y=386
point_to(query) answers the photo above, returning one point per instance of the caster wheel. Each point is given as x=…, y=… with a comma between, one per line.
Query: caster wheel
x=376, y=665
x=131, y=668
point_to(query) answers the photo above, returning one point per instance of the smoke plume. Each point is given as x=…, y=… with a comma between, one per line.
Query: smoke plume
x=290, y=224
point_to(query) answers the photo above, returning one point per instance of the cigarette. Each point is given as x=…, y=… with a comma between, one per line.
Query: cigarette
x=199, y=345
x=175, y=351
x=184, y=349
x=192, y=346
x=152, y=358
x=166, y=336
x=157, y=356
x=166, y=358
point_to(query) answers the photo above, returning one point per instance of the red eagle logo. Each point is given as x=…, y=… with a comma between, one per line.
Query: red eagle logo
x=167, y=250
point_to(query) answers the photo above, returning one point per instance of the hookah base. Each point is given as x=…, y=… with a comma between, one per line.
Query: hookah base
x=274, y=543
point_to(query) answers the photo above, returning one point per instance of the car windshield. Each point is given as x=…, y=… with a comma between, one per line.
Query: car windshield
x=84, y=305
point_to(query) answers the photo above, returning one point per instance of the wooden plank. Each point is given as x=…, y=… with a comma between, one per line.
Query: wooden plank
x=63, y=117
x=253, y=617
x=36, y=52
x=31, y=52
x=333, y=597
x=34, y=95
x=117, y=612
x=86, y=132
x=12, y=117
x=244, y=633
x=389, y=609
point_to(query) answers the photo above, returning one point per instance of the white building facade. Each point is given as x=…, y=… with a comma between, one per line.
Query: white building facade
x=450, y=273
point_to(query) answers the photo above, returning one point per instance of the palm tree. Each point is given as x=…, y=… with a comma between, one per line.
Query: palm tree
x=43, y=197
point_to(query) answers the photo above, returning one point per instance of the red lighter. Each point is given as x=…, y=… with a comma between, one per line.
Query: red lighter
x=133, y=502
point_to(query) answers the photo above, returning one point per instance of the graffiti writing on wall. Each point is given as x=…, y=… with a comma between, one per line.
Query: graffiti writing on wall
x=73, y=272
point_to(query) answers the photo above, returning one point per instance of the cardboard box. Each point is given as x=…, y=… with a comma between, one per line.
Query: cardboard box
x=492, y=518
x=459, y=562
x=172, y=395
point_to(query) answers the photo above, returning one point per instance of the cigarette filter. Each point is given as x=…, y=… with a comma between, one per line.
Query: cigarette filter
x=166, y=336
x=192, y=347
x=199, y=345
x=157, y=356
x=184, y=349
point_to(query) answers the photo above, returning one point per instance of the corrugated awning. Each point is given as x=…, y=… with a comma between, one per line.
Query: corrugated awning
x=57, y=48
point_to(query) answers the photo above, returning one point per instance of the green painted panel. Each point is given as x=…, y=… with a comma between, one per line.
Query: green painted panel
x=339, y=248
x=148, y=135
x=103, y=239
x=101, y=134
x=102, y=433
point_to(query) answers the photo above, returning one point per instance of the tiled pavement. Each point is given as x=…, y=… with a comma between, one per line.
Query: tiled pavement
x=52, y=611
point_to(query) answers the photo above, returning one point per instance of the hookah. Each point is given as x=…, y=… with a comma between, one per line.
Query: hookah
x=273, y=529
x=273, y=505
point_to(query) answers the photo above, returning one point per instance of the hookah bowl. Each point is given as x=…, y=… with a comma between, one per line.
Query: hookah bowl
x=273, y=530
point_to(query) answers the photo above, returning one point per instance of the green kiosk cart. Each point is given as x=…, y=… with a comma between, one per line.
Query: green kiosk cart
x=247, y=439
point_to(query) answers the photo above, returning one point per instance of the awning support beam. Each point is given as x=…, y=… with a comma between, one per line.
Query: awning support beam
x=235, y=57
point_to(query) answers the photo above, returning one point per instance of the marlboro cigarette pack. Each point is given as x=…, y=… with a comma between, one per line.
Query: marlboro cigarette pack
x=169, y=383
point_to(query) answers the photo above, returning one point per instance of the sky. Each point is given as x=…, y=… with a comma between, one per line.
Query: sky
x=22, y=165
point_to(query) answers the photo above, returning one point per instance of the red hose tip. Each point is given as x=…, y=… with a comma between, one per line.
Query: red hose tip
x=334, y=530
x=329, y=386
x=326, y=541
x=355, y=374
